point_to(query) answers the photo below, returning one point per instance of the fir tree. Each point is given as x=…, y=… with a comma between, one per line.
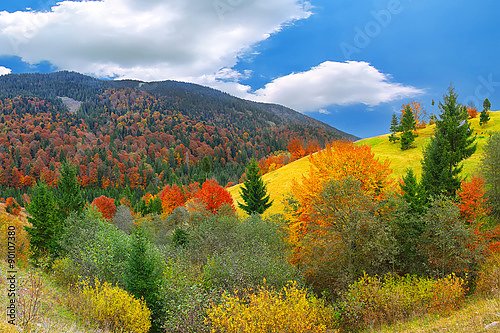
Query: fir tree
x=408, y=125
x=254, y=192
x=394, y=128
x=453, y=141
x=69, y=192
x=144, y=276
x=413, y=192
x=46, y=226
x=484, y=117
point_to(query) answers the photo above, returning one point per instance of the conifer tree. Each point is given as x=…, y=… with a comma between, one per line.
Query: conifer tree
x=413, y=192
x=394, y=128
x=453, y=141
x=408, y=125
x=46, y=226
x=69, y=192
x=254, y=192
x=484, y=117
x=144, y=276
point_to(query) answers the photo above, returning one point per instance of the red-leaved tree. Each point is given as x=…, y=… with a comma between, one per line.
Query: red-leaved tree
x=213, y=196
x=106, y=206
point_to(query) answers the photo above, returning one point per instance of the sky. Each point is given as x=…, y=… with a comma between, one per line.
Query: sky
x=350, y=64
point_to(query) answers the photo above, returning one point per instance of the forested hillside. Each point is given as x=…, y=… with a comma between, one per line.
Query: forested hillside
x=135, y=135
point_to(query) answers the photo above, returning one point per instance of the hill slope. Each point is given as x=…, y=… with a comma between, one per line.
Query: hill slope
x=137, y=134
x=279, y=181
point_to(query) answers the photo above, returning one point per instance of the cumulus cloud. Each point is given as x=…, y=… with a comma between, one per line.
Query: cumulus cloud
x=5, y=70
x=147, y=40
x=334, y=83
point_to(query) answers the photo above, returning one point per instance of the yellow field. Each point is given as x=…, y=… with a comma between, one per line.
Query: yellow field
x=279, y=181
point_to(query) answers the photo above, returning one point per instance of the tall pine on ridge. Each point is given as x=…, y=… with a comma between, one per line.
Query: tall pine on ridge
x=254, y=192
x=453, y=141
x=69, y=192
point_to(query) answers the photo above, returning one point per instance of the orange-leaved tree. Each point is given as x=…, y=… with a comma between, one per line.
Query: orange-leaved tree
x=12, y=207
x=106, y=206
x=339, y=160
x=171, y=198
x=214, y=196
x=472, y=202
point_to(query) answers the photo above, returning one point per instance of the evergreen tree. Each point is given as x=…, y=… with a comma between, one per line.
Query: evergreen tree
x=490, y=170
x=254, y=192
x=413, y=192
x=453, y=141
x=144, y=276
x=394, y=128
x=408, y=125
x=69, y=192
x=46, y=226
x=484, y=117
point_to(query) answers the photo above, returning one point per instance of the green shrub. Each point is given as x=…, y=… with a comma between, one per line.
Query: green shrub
x=372, y=301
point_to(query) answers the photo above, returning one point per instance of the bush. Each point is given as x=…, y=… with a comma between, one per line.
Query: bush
x=22, y=248
x=96, y=247
x=290, y=310
x=112, y=308
x=65, y=272
x=7, y=328
x=123, y=219
x=372, y=301
x=488, y=282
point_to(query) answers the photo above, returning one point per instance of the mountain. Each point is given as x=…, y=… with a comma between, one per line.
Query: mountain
x=280, y=180
x=137, y=135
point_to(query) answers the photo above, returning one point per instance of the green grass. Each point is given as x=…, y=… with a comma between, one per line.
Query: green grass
x=279, y=181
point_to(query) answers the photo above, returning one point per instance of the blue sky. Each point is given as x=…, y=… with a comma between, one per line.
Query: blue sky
x=348, y=63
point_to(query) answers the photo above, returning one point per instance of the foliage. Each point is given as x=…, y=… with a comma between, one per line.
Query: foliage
x=213, y=196
x=149, y=204
x=394, y=129
x=472, y=112
x=171, y=198
x=338, y=161
x=123, y=219
x=413, y=192
x=348, y=237
x=485, y=117
x=408, y=125
x=453, y=141
x=144, y=276
x=31, y=294
x=97, y=248
x=22, y=248
x=488, y=282
x=12, y=207
x=446, y=241
x=489, y=169
x=68, y=193
x=472, y=200
x=46, y=225
x=289, y=310
x=106, y=206
x=372, y=301
x=112, y=308
x=254, y=192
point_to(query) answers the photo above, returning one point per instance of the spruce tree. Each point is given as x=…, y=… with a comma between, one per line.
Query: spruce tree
x=484, y=117
x=408, y=125
x=46, y=225
x=413, y=192
x=144, y=276
x=69, y=192
x=394, y=128
x=453, y=141
x=254, y=192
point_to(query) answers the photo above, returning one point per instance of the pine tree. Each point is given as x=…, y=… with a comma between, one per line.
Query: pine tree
x=394, y=128
x=254, y=192
x=408, y=125
x=485, y=117
x=46, y=225
x=413, y=192
x=69, y=192
x=144, y=276
x=453, y=141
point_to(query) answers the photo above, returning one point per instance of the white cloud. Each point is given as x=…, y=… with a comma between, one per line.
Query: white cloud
x=5, y=70
x=334, y=83
x=145, y=39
